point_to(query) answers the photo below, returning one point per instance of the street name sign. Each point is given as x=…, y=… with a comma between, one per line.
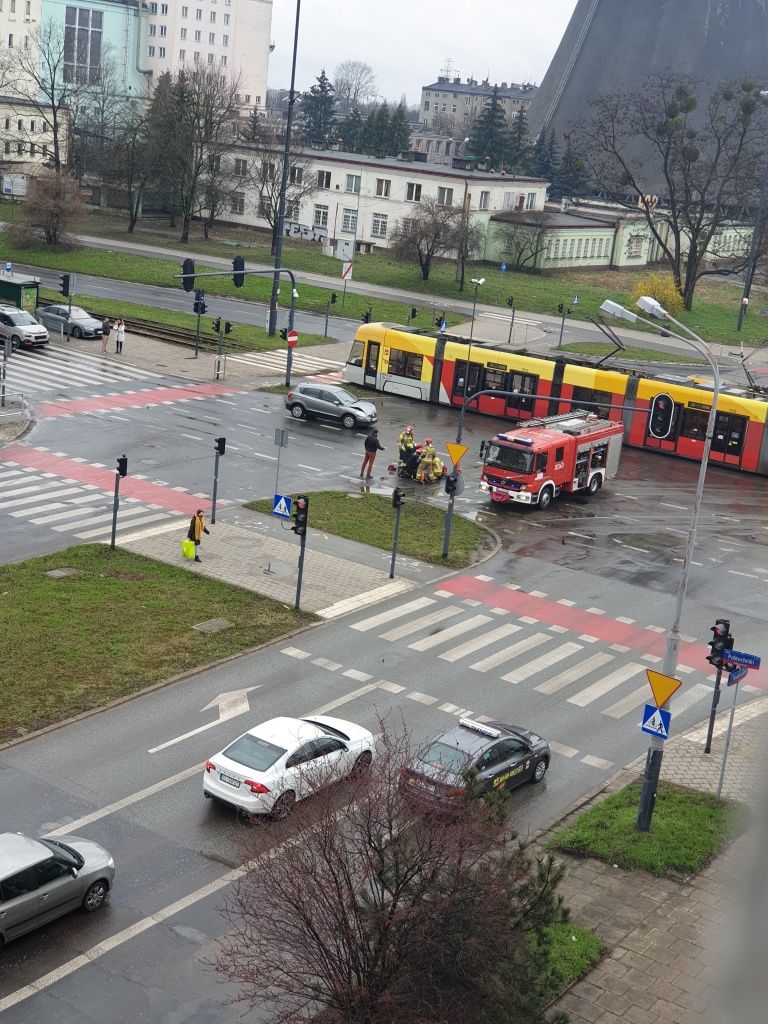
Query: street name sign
x=282, y=506
x=656, y=721
x=663, y=686
x=737, y=675
x=739, y=658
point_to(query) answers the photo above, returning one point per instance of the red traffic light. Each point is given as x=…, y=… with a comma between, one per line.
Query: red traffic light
x=661, y=416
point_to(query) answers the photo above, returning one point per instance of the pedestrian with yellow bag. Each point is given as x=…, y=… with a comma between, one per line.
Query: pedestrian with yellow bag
x=197, y=528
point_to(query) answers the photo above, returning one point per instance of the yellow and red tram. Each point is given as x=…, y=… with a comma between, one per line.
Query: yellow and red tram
x=431, y=367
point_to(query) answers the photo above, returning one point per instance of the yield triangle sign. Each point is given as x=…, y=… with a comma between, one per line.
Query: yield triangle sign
x=456, y=451
x=663, y=686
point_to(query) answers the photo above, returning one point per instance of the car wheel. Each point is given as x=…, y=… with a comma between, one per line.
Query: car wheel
x=545, y=498
x=15, y=341
x=76, y=332
x=540, y=770
x=297, y=411
x=283, y=806
x=95, y=896
x=349, y=421
x=594, y=484
x=362, y=764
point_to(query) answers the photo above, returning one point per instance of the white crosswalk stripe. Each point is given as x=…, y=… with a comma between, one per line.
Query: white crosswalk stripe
x=269, y=363
x=485, y=640
x=448, y=634
x=55, y=367
x=393, y=613
x=508, y=653
x=574, y=673
x=547, y=660
x=426, y=620
x=606, y=684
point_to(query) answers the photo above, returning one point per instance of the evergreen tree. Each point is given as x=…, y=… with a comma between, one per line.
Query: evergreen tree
x=489, y=132
x=571, y=177
x=544, y=159
x=375, y=135
x=318, y=107
x=399, y=131
x=350, y=130
x=518, y=147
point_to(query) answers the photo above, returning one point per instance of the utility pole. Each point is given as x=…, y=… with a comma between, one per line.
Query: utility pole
x=221, y=447
x=122, y=470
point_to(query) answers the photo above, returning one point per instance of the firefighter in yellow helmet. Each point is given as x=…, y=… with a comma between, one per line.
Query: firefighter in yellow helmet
x=426, y=463
x=406, y=447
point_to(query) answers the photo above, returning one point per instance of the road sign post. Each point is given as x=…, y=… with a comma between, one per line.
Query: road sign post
x=454, y=486
x=346, y=275
x=727, y=742
x=220, y=447
x=281, y=440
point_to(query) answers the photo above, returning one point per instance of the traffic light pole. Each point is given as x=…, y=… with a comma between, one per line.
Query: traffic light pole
x=448, y=524
x=197, y=335
x=713, y=712
x=511, y=325
x=297, y=603
x=394, y=541
x=115, y=507
x=215, y=486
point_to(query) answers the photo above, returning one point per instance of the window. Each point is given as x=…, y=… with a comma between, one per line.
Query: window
x=238, y=203
x=210, y=58
x=428, y=146
x=226, y=19
x=600, y=248
x=321, y=217
x=82, y=45
x=466, y=118
x=50, y=870
x=225, y=40
x=453, y=108
x=153, y=8
x=163, y=30
x=265, y=207
x=578, y=249
x=212, y=38
x=382, y=187
x=292, y=209
x=379, y=225
x=163, y=8
x=151, y=51
x=509, y=201
x=182, y=55
x=485, y=200
x=426, y=104
x=199, y=14
x=198, y=35
x=295, y=175
x=570, y=248
x=20, y=148
x=694, y=423
x=153, y=30
x=445, y=197
x=413, y=193
x=7, y=147
x=530, y=201
x=19, y=124
x=213, y=17
x=45, y=151
x=183, y=33
x=323, y=179
x=467, y=101
x=405, y=364
x=443, y=109
x=556, y=253
x=435, y=106
x=349, y=220
x=353, y=183
x=592, y=250
x=10, y=40
x=635, y=247
x=196, y=57
x=7, y=123
x=241, y=168
x=161, y=51
x=15, y=886
x=185, y=12
x=591, y=395
x=495, y=379
x=524, y=386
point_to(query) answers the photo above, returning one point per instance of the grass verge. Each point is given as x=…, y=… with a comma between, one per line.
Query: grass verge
x=598, y=348
x=119, y=624
x=688, y=829
x=370, y=519
x=573, y=952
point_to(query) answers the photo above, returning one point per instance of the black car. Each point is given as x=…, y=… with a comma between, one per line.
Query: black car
x=499, y=757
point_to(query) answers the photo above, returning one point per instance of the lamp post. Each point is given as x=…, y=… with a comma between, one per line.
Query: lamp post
x=669, y=665
x=750, y=271
x=284, y=183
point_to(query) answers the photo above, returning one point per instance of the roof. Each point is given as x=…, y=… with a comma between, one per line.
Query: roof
x=556, y=220
x=473, y=88
x=285, y=731
x=18, y=852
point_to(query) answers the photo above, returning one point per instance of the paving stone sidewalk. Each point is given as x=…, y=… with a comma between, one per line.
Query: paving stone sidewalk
x=665, y=939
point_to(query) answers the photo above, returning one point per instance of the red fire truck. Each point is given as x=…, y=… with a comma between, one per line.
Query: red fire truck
x=574, y=451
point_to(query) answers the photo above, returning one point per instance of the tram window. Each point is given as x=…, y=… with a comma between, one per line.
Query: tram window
x=591, y=395
x=524, y=385
x=729, y=433
x=694, y=424
x=356, y=355
x=495, y=380
x=473, y=381
x=405, y=364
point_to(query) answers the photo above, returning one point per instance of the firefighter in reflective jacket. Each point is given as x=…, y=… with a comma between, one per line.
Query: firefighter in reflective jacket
x=430, y=466
x=406, y=447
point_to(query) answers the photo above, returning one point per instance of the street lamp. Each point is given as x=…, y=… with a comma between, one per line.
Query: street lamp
x=284, y=183
x=476, y=281
x=669, y=665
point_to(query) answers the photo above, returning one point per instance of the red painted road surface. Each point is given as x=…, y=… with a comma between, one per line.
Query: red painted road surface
x=160, y=396
x=82, y=473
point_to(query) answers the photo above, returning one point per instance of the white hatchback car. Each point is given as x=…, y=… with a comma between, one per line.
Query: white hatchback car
x=269, y=768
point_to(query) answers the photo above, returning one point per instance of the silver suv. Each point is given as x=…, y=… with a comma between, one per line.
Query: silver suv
x=41, y=879
x=21, y=328
x=329, y=402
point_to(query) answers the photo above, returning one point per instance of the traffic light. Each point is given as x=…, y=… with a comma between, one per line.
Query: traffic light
x=217, y=324
x=122, y=465
x=366, y=318
x=238, y=266
x=64, y=286
x=221, y=444
x=199, y=306
x=414, y=312
x=188, y=269
x=660, y=417
x=301, y=506
x=398, y=498
x=227, y=327
x=510, y=301
x=284, y=333
x=560, y=309
x=721, y=641
x=451, y=482
x=334, y=296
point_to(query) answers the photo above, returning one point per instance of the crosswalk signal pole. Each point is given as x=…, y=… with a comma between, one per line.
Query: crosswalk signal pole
x=122, y=470
x=221, y=446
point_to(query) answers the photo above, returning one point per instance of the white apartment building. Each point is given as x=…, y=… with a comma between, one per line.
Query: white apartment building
x=360, y=198
x=233, y=35
x=460, y=102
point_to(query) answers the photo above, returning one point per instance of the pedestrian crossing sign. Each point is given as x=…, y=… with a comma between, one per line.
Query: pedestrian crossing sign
x=656, y=721
x=282, y=506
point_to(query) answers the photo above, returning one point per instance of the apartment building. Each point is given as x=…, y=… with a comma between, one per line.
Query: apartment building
x=450, y=99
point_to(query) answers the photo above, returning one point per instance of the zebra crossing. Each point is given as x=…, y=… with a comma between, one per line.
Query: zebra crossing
x=72, y=509
x=269, y=364
x=55, y=367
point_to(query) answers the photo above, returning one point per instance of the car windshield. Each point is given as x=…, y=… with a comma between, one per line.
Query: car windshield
x=64, y=852
x=442, y=755
x=254, y=752
x=327, y=729
x=79, y=314
x=344, y=397
x=22, y=319
x=504, y=456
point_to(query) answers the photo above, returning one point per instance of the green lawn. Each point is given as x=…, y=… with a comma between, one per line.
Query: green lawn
x=688, y=828
x=573, y=952
x=370, y=519
x=119, y=624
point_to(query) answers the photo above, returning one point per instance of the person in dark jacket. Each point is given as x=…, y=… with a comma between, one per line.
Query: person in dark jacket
x=196, y=529
x=372, y=445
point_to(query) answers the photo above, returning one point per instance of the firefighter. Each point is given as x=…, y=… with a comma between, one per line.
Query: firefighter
x=426, y=463
x=406, y=447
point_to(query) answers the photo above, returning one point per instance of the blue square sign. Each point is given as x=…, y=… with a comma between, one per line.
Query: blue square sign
x=282, y=506
x=656, y=721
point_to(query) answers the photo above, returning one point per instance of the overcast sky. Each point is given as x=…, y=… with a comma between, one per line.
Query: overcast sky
x=407, y=42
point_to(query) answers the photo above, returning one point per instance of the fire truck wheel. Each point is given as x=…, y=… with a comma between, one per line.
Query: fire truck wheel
x=594, y=484
x=545, y=498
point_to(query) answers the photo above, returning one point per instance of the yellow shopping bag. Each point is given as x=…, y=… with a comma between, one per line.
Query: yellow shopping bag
x=188, y=548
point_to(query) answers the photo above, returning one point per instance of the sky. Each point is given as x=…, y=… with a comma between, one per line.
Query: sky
x=407, y=42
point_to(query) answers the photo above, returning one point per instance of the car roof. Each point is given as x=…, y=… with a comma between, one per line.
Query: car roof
x=474, y=737
x=18, y=852
x=286, y=732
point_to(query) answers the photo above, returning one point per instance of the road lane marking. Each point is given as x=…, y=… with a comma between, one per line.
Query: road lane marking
x=444, y=635
x=571, y=675
x=507, y=653
x=606, y=684
x=530, y=668
x=342, y=700
x=423, y=623
x=393, y=613
x=230, y=705
x=480, y=642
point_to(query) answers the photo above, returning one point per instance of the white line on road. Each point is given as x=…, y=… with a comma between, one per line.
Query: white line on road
x=342, y=700
x=192, y=437
x=629, y=547
x=313, y=468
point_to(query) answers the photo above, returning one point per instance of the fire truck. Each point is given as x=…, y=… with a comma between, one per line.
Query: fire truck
x=574, y=451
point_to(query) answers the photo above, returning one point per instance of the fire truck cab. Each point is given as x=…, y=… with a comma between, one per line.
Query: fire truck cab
x=571, y=452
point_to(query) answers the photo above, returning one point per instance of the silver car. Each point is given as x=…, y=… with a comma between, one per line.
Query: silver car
x=21, y=328
x=41, y=879
x=328, y=401
x=62, y=321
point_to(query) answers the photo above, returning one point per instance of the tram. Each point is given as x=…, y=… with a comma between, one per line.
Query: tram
x=432, y=367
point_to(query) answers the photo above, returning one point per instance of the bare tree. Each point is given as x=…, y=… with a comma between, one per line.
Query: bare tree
x=686, y=165
x=221, y=182
x=135, y=156
x=354, y=82
x=374, y=908
x=468, y=239
x=430, y=231
x=53, y=206
x=524, y=236
x=265, y=167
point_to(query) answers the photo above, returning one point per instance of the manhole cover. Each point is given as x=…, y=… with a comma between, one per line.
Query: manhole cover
x=57, y=573
x=213, y=625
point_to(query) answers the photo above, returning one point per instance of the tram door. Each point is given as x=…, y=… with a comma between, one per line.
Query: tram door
x=371, y=364
x=728, y=438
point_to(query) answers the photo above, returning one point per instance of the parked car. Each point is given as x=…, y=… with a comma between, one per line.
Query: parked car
x=21, y=328
x=269, y=768
x=495, y=755
x=41, y=879
x=60, y=320
x=328, y=401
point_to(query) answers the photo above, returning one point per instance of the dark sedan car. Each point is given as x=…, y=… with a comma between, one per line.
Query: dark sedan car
x=498, y=756
x=62, y=321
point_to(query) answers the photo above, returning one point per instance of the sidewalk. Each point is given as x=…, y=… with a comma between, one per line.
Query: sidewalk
x=671, y=945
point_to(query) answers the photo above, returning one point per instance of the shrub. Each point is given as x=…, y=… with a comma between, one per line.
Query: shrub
x=662, y=288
